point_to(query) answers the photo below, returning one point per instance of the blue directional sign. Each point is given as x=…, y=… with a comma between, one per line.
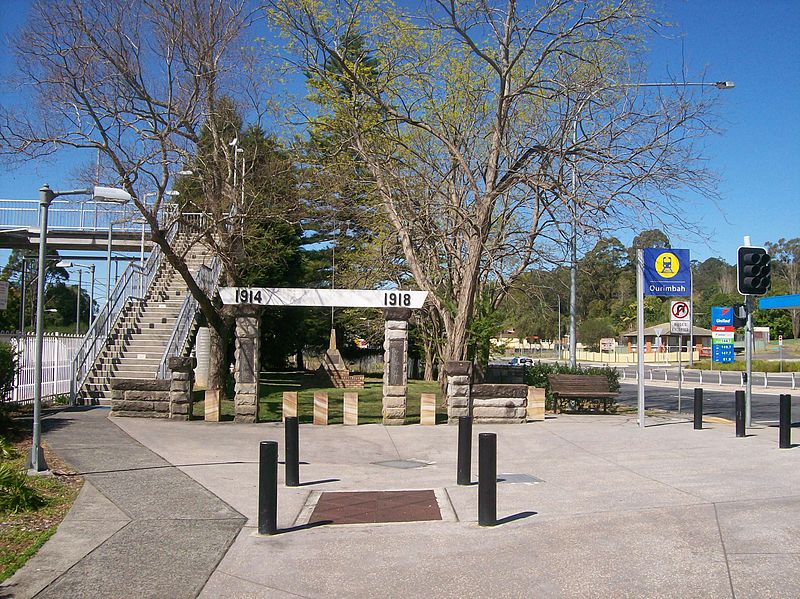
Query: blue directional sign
x=667, y=272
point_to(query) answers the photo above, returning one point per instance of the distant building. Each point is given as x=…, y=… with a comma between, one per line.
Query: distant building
x=658, y=339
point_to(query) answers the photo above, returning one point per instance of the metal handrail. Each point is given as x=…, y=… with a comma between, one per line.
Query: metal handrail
x=207, y=279
x=69, y=215
x=133, y=279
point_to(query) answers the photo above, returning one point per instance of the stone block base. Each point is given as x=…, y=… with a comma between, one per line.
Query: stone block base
x=535, y=410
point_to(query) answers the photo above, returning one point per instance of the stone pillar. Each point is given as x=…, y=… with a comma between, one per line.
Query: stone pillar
x=459, y=382
x=321, y=408
x=350, y=416
x=180, y=389
x=395, y=365
x=248, y=362
x=427, y=409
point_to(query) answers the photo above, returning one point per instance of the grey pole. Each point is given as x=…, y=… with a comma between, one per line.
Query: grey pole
x=748, y=345
x=573, y=259
x=78, y=304
x=640, y=333
x=680, y=369
x=36, y=458
x=108, y=264
x=141, y=265
x=22, y=298
x=91, y=297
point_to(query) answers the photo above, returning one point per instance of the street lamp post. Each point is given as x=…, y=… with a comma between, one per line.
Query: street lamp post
x=90, y=268
x=573, y=245
x=36, y=462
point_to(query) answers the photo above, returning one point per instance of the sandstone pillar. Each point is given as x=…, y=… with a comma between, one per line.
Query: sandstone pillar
x=248, y=361
x=180, y=389
x=395, y=365
x=459, y=382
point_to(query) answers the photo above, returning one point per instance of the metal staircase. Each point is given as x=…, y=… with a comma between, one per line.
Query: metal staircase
x=150, y=317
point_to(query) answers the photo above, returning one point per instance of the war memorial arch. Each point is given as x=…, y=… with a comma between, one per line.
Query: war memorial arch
x=397, y=306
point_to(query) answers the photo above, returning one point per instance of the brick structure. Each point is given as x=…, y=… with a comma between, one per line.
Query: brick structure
x=334, y=367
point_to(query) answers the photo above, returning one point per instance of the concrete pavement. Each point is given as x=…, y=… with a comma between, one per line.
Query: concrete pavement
x=616, y=512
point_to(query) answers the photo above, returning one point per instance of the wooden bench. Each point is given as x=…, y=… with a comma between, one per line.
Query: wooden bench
x=579, y=386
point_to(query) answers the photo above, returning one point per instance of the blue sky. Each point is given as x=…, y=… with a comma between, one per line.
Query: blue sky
x=755, y=43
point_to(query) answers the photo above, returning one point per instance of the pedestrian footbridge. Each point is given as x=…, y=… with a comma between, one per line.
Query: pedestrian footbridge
x=73, y=225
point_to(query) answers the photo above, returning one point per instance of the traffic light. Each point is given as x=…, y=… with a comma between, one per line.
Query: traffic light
x=753, y=270
x=739, y=315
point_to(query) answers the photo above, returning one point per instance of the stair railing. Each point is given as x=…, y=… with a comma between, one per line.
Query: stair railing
x=208, y=280
x=134, y=278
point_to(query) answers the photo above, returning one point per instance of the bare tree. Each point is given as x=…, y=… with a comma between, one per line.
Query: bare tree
x=468, y=128
x=144, y=84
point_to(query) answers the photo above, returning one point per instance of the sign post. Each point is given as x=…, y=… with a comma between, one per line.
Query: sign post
x=661, y=272
x=680, y=323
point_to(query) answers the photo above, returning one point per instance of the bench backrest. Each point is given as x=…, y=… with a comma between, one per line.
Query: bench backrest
x=577, y=382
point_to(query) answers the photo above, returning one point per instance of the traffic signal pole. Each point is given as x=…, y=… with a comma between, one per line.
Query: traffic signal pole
x=748, y=350
x=753, y=278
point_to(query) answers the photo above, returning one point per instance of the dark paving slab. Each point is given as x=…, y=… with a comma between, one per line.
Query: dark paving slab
x=363, y=507
x=178, y=530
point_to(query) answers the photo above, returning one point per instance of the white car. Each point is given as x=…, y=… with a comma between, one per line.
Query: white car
x=521, y=361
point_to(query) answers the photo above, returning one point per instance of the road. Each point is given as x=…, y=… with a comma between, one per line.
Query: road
x=716, y=401
x=785, y=381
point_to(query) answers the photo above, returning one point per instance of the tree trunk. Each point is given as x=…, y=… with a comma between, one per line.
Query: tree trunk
x=218, y=367
x=428, y=374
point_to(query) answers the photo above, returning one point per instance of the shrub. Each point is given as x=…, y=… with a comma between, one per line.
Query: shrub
x=15, y=493
x=8, y=367
x=7, y=450
x=536, y=376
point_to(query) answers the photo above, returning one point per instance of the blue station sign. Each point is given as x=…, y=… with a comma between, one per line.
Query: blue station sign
x=667, y=272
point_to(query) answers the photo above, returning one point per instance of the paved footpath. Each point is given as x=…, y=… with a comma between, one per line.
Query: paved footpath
x=588, y=506
x=140, y=526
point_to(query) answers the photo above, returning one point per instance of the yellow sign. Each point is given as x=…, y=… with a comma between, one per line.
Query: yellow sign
x=667, y=265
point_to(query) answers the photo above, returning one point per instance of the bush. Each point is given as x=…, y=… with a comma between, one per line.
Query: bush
x=536, y=376
x=15, y=494
x=7, y=450
x=8, y=367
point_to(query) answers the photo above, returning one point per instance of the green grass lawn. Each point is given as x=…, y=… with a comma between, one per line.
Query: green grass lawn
x=273, y=384
x=24, y=531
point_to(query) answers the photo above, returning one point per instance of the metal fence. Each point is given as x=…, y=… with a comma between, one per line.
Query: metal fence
x=57, y=353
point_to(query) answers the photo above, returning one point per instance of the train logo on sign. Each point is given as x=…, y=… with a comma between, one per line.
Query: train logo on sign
x=666, y=272
x=668, y=265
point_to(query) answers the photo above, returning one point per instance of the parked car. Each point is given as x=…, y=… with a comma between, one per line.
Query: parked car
x=521, y=361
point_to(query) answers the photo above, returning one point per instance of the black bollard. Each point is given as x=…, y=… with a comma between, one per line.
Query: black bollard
x=740, y=432
x=292, y=451
x=698, y=409
x=268, y=488
x=487, y=479
x=464, y=475
x=785, y=427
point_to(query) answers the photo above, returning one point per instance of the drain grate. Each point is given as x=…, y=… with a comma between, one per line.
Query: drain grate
x=518, y=479
x=370, y=507
x=403, y=464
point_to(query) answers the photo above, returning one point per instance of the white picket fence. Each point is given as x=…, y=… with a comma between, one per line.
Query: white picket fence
x=57, y=353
